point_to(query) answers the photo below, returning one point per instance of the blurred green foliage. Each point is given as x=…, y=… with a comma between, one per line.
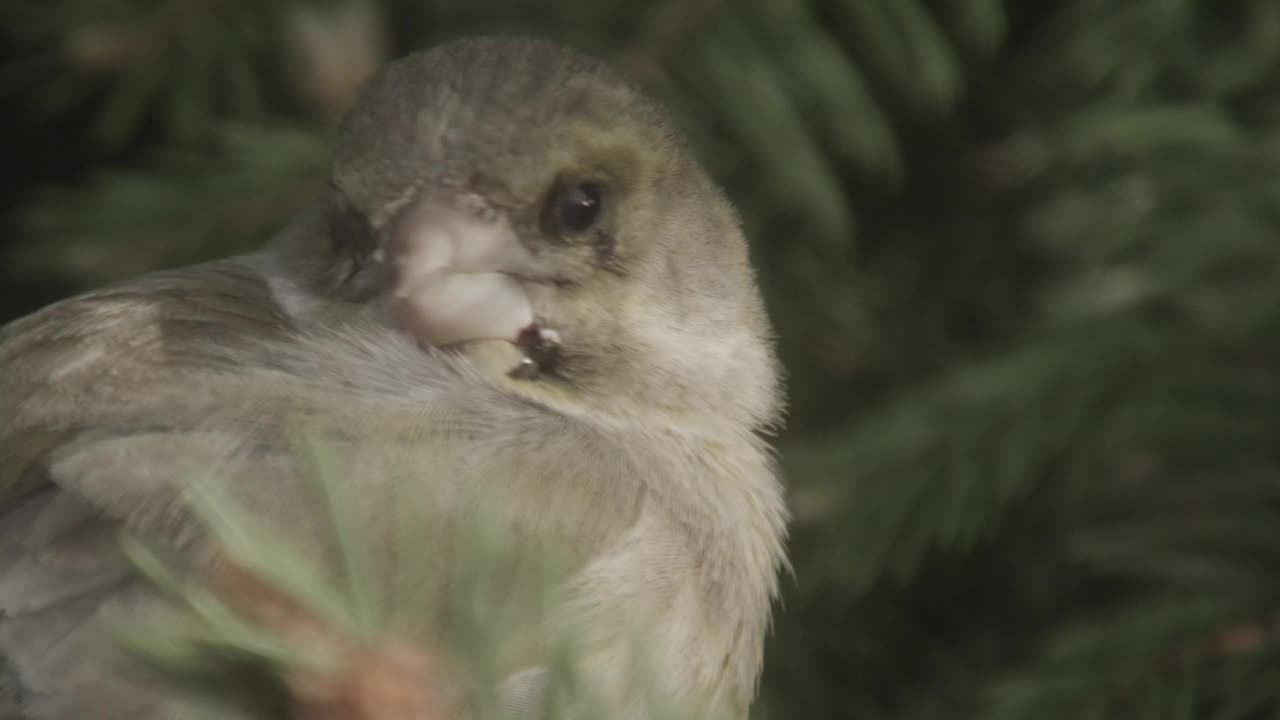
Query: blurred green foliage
x=1021, y=255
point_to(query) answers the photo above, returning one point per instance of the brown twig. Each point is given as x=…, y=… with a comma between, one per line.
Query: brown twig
x=387, y=679
x=105, y=48
x=669, y=29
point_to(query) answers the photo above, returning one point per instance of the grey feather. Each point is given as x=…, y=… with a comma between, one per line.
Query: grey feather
x=642, y=458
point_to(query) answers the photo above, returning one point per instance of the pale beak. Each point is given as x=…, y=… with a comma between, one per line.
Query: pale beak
x=455, y=275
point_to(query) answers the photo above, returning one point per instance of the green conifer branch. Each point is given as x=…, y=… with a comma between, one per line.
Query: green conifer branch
x=185, y=205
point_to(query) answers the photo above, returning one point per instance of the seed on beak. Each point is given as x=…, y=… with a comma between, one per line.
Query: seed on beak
x=541, y=347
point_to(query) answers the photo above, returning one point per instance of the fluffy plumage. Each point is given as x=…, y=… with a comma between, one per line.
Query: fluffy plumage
x=637, y=446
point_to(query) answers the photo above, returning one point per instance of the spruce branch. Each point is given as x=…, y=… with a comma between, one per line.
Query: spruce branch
x=262, y=623
x=263, y=609
x=179, y=65
x=185, y=206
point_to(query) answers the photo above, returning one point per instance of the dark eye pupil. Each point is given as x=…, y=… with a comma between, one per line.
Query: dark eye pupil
x=579, y=206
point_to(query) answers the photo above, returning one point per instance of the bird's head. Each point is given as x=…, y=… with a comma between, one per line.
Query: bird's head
x=524, y=205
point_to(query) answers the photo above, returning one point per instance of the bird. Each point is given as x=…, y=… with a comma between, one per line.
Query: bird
x=519, y=293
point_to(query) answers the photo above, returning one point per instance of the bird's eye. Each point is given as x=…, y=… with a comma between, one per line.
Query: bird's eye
x=578, y=206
